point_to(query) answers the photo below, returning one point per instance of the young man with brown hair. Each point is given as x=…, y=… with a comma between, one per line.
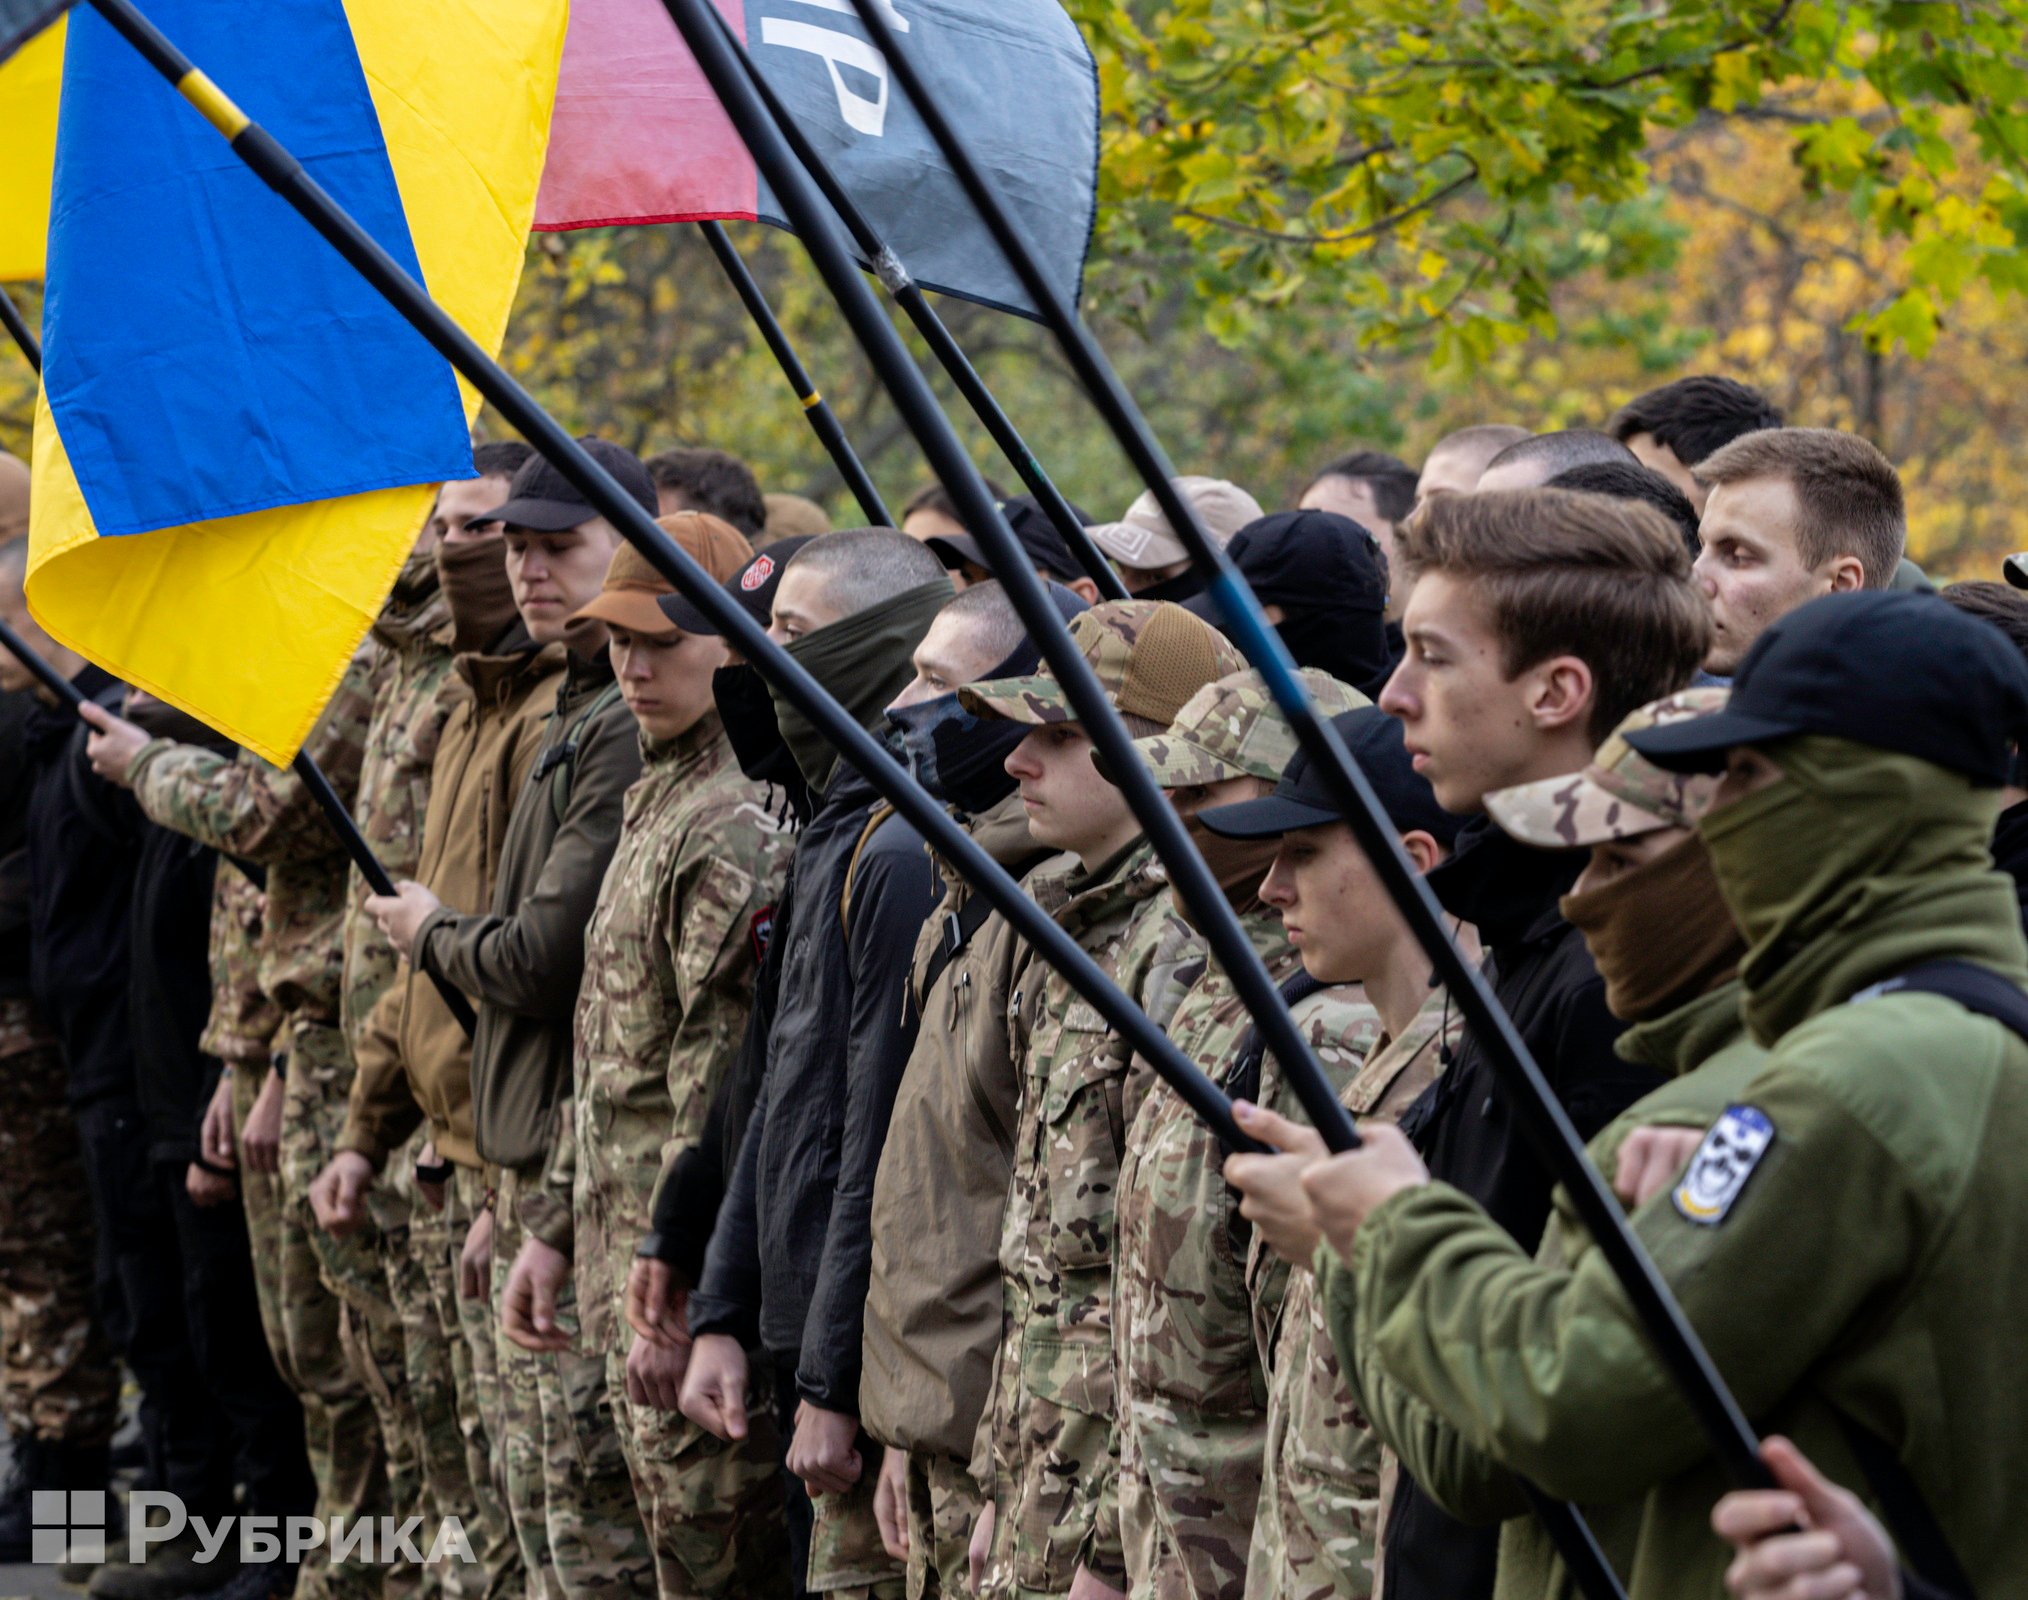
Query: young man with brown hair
x=1537, y=620
x=1790, y=514
x=1673, y=428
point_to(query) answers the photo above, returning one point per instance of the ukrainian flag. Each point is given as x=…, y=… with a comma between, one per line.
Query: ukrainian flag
x=28, y=86
x=236, y=439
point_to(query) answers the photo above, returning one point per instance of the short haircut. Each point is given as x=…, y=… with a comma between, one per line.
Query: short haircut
x=1695, y=416
x=863, y=566
x=935, y=497
x=501, y=458
x=1848, y=495
x=1629, y=480
x=1551, y=453
x=1391, y=479
x=714, y=481
x=988, y=613
x=2001, y=604
x=1607, y=581
x=1483, y=439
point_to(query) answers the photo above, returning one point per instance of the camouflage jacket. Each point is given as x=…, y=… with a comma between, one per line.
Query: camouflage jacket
x=243, y=1021
x=1045, y=1454
x=402, y=730
x=1317, y=1525
x=1193, y=1391
x=244, y=807
x=670, y=957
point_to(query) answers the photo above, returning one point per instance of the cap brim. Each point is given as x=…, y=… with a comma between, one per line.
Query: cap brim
x=956, y=550
x=635, y=610
x=540, y=516
x=1698, y=744
x=1266, y=818
x=1543, y=814
x=681, y=614
x=1037, y=701
x=1132, y=545
x=1175, y=763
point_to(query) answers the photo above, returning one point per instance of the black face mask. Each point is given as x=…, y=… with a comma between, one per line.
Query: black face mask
x=1184, y=586
x=959, y=758
x=1350, y=645
x=748, y=711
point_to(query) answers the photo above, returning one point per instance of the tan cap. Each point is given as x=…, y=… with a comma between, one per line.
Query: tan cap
x=632, y=585
x=1143, y=537
x=791, y=514
x=1621, y=795
x=1234, y=729
x=1150, y=657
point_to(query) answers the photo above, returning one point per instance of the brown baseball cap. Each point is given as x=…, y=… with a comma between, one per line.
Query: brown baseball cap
x=633, y=586
x=1150, y=657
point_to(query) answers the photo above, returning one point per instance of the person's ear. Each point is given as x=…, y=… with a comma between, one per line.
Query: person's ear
x=1086, y=589
x=1561, y=693
x=1848, y=574
x=1422, y=849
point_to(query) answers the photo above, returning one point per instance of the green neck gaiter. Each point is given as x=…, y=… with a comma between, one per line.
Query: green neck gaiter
x=1857, y=865
x=863, y=662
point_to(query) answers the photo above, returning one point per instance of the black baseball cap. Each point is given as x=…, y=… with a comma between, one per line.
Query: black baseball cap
x=753, y=586
x=543, y=500
x=1314, y=559
x=1048, y=551
x=1909, y=673
x=1303, y=800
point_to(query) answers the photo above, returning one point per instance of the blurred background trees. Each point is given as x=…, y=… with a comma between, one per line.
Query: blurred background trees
x=1326, y=224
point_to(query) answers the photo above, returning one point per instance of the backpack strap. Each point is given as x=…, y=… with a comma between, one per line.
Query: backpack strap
x=1922, y=1540
x=968, y=919
x=875, y=820
x=559, y=761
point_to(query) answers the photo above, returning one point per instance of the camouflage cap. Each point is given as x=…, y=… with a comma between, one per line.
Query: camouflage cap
x=1150, y=657
x=1621, y=794
x=1233, y=729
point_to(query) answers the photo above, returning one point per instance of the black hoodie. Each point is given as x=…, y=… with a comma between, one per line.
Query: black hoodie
x=1469, y=1134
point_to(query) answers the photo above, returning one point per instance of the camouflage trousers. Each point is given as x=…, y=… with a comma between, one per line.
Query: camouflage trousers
x=475, y=1369
x=942, y=1503
x=847, y=1559
x=330, y=1357
x=59, y=1381
x=714, y=1511
x=567, y=1485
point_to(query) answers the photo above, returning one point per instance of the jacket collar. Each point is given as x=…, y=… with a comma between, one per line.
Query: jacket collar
x=1684, y=1039
x=1507, y=890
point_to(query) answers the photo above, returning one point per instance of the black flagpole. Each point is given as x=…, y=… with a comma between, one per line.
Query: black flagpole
x=909, y=296
x=1191, y=878
x=282, y=173
x=1675, y=1341
x=823, y=421
x=17, y=326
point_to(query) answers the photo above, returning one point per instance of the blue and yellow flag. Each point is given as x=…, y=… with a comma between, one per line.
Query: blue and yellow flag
x=28, y=88
x=237, y=440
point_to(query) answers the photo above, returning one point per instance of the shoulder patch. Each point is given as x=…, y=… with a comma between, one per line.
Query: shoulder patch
x=760, y=930
x=1723, y=1163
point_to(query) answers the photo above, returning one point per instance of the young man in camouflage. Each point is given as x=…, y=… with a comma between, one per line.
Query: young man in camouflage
x=414, y=1056
x=521, y=961
x=933, y=1296
x=245, y=808
x=1321, y=1482
x=402, y=732
x=669, y=966
x=1190, y=1423
x=1044, y=1443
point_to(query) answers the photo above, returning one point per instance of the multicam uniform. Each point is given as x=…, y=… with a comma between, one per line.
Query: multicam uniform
x=1193, y=1390
x=409, y=708
x=1044, y=1452
x=670, y=957
x=246, y=808
x=1317, y=1523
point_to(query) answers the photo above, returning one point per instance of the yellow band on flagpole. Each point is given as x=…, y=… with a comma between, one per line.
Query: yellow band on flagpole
x=213, y=101
x=812, y=400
